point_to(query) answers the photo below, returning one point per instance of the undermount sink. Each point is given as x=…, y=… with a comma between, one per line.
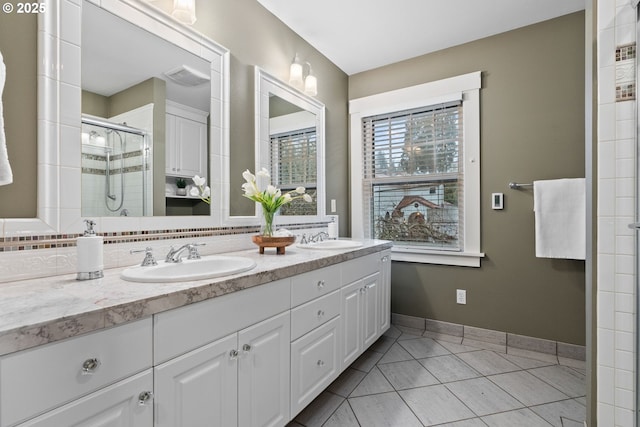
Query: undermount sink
x=332, y=244
x=206, y=267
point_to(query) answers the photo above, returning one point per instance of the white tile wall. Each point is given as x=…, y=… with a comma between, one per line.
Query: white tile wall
x=616, y=208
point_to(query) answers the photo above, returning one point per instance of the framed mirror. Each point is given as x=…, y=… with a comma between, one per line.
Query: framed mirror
x=60, y=85
x=290, y=144
x=145, y=108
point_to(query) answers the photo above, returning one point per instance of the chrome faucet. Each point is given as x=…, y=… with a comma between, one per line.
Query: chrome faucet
x=319, y=237
x=148, y=256
x=174, y=254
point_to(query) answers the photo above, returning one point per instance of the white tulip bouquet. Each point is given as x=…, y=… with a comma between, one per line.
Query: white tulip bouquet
x=200, y=189
x=270, y=198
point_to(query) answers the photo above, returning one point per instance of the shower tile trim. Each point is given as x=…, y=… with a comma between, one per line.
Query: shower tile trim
x=511, y=341
x=625, y=72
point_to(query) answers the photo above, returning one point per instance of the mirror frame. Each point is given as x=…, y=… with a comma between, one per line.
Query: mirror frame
x=267, y=84
x=59, y=118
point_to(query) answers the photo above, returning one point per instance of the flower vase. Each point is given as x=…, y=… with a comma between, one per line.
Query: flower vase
x=266, y=227
x=266, y=239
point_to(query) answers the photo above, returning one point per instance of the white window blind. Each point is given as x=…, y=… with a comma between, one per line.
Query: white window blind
x=294, y=164
x=413, y=176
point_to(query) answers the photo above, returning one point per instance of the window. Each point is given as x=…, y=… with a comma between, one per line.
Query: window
x=411, y=175
x=293, y=163
x=415, y=170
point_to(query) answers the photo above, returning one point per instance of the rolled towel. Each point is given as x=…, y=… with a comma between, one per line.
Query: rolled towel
x=6, y=176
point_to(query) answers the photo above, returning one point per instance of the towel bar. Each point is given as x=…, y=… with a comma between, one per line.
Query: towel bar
x=516, y=186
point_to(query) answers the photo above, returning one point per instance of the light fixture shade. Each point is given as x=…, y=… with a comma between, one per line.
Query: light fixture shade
x=296, y=73
x=311, y=85
x=184, y=11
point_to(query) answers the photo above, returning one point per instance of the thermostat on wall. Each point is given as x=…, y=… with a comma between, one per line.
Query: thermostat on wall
x=497, y=201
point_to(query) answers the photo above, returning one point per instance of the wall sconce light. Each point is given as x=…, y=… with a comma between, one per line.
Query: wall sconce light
x=310, y=83
x=295, y=73
x=297, y=79
x=184, y=11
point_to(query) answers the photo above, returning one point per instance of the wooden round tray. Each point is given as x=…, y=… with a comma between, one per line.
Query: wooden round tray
x=273, y=242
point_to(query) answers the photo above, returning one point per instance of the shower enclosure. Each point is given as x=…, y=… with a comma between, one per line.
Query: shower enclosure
x=116, y=169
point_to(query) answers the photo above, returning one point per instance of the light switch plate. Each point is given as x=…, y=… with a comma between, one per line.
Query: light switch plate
x=497, y=201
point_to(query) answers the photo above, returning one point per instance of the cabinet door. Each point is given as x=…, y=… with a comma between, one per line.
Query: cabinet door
x=315, y=363
x=263, y=373
x=127, y=403
x=199, y=388
x=351, y=322
x=191, y=145
x=370, y=309
x=171, y=160
x=384, y=294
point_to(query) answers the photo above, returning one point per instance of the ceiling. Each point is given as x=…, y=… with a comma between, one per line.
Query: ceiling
x=112, y=63
x=359, y=35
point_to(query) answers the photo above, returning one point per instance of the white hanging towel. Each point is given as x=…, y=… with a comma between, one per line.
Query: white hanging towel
x=6, y=176
x=560, y=217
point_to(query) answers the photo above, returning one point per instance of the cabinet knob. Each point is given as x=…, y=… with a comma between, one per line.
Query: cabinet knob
x=385, y=258
x=233, y=354
x=320, y=313
x=320, y=284
x=320, y=363
x=90, y=365
x=246, y=348
x=144, y=397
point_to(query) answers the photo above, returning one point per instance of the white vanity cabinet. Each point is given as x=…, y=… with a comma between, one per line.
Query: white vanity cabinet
x=251, y=358
x=74, y=373
x=361, y=307
x=236, y=372
x=315, y=332
x=200, y=387
x=384, y=321
x=263, y=373
x=186, y=141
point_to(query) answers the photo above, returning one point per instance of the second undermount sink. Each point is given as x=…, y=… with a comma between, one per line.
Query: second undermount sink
x=206, y=267
x=332, y=244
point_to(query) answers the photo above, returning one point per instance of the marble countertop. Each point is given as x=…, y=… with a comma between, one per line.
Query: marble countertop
x=39, y=311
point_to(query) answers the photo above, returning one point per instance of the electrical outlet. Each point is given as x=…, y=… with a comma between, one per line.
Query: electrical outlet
x=333, y=206
x=461, y=296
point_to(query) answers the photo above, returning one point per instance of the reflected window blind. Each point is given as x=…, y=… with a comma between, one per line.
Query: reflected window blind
x=413, y=176
x=293, y=159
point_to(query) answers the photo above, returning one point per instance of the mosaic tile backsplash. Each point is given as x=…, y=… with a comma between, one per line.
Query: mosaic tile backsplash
x=625, y=72
x=25, y=243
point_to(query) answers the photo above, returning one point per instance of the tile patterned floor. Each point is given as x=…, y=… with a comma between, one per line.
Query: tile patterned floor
x=412, y=378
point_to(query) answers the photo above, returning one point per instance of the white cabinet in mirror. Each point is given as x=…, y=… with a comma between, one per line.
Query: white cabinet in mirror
x=60, y=86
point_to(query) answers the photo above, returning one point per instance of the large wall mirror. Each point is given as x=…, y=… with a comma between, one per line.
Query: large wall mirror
x=145, y=109
x=110, y=110
x=290, y=144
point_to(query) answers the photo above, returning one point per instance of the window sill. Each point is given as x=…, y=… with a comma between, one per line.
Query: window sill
x=462, y=259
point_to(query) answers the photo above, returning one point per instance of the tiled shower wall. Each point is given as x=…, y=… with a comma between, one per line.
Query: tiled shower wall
x=616, y=209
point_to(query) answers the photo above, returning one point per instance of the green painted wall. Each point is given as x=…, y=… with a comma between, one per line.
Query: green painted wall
x=532, y=128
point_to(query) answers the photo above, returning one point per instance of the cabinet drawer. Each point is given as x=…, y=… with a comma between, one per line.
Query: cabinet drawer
x=313, y=284
x=118, y=404
x=360, y=267
x=42, y=378
x=315, y=363
x=314, y=313
x=186, y=328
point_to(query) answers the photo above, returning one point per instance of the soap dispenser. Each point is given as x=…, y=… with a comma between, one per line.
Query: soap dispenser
x=332, y=228
x=89, y=247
